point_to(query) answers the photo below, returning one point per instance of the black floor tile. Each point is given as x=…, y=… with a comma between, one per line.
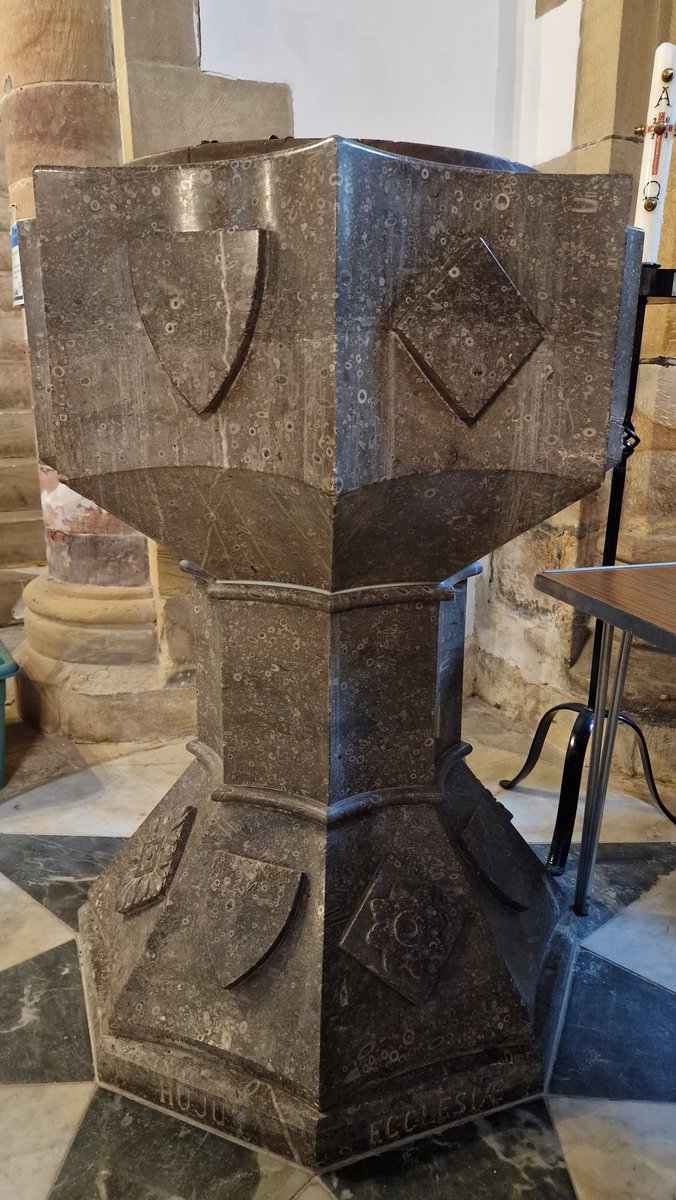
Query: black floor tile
x=56, y=871
x=624, y=871
x=127, y=1151
x=619, y=1036
x=43, y=1026
x=514, y=1153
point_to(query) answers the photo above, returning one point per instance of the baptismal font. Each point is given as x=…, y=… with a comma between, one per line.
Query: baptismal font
x=329, y=375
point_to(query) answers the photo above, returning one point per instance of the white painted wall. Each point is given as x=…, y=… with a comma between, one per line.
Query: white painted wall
x=547, y=72
x=440, y=71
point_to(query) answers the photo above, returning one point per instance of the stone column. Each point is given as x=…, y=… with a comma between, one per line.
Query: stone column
x=532, y=652
x=108, y=652
x=90, y=655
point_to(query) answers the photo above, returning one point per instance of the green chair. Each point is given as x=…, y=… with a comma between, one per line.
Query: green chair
x=7, y=667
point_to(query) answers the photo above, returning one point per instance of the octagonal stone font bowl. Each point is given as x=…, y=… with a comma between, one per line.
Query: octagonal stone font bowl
x=330, y=363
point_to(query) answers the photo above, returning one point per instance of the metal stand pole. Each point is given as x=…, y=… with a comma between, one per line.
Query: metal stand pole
x=601, y=754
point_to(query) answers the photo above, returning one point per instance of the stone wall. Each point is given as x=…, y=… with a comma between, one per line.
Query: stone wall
x=531, y=652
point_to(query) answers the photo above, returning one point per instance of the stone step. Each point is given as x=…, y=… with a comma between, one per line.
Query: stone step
x=15, y=386
x=12, y=583
x=12, y=336
x=19, y=487
x=22, y=538
x=17, y=433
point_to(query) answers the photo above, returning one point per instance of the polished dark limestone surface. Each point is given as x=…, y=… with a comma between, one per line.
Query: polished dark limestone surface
x=382, y=366
x=329, y=374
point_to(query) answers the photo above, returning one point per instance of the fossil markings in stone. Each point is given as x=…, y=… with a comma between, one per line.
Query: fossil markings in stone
x=492, y=331
x=491, y=855
x=249, y=907
x=198, y=295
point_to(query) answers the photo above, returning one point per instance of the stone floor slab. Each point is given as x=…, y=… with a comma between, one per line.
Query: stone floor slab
x=107, y=799
x=624, y=872
x=43, y=1027
x=56, y=871
x=127, y=1151
x=642, y=938
x=619, y=1036
x=37, y=1124
x=26, y=928
x=618, y=1150
x=514, y=1153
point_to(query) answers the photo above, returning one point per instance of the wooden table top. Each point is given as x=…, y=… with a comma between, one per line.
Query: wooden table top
x=640, y=599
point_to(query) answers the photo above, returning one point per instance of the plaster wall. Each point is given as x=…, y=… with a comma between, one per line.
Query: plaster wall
x=439, y=71
x=545, y=84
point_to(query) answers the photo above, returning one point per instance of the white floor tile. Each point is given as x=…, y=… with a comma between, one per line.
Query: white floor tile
x=37, y=1125
x=315, y=1190
x=626, y=818
x=642, y=937
x=26, y=927
x=108, y=799
x=279, y=1178
x=164, y=753
x=618, y=1150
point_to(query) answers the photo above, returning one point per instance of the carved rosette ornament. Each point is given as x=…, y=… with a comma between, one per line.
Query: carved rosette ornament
x=153, y=855
x=403, y=931
x=329, y=375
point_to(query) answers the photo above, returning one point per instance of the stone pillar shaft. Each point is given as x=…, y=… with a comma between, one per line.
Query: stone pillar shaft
x=327, y=845
x=309, y=701
x=94, y=606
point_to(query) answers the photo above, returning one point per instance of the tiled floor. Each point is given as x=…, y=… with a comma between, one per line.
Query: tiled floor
x=607, y=1131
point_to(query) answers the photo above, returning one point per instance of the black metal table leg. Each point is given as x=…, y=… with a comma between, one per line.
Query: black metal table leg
x=537, y=744
x=655, y=283
x=648, y=768
x=570, y=791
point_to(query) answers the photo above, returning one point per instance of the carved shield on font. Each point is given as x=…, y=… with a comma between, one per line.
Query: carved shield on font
x=249, y=906
x=198, y=295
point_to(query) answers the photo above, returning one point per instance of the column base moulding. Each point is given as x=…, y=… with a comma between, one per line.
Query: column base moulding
x=95, y=703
